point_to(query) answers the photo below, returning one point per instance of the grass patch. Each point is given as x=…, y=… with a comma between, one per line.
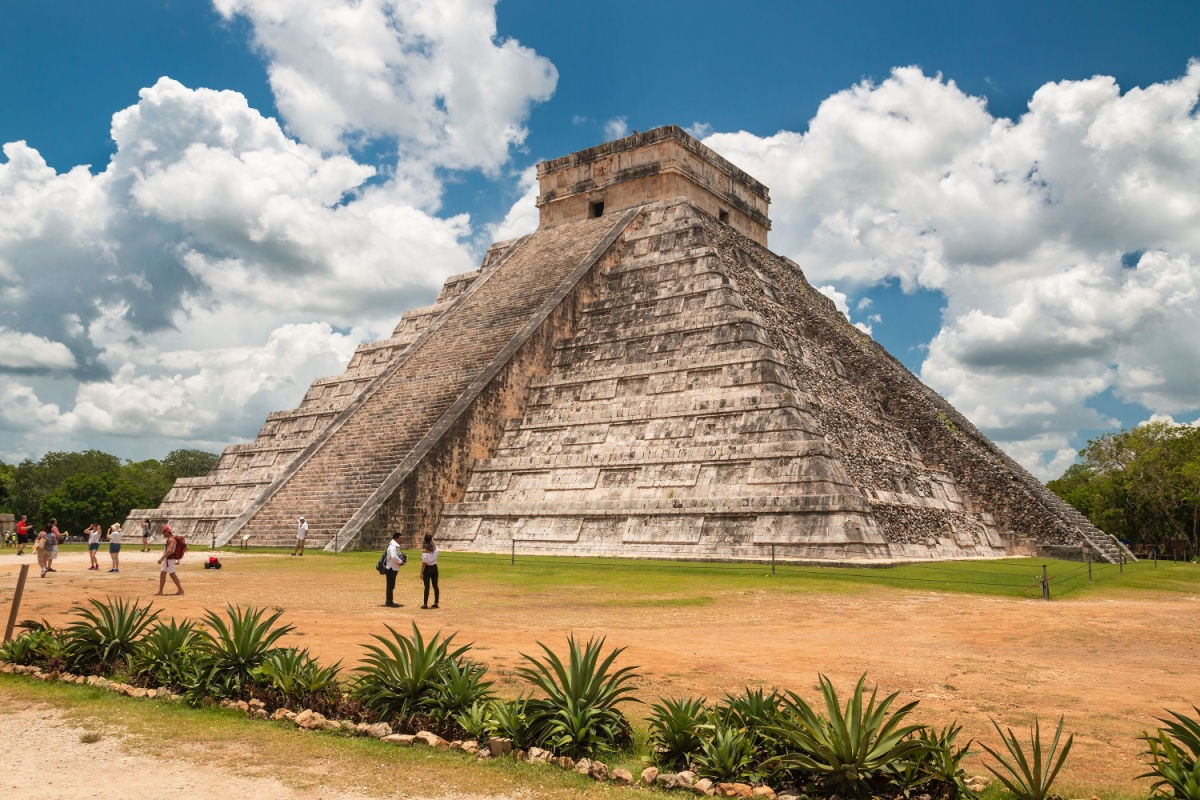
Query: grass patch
x=305, y=760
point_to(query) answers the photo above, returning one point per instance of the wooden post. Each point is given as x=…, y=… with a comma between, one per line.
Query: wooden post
x=1089, y=560
x=513, y=559
x=1156, y=556
x=16, y=602
x=1121, y=562
x=1045, y=584
x=772, y=558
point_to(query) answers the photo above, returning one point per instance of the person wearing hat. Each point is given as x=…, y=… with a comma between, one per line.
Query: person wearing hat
x=168, y=562
x=301, y=532
x=114, y=546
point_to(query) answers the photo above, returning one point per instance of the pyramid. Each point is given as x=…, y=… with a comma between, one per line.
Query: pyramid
x=640, y=377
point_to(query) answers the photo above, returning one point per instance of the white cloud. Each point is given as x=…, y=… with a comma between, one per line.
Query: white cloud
x=616, y=128
x=699, y=129
x=1066, y=243
x=26, y=351
x=430, y=73
x=523, y=217
x=216, y=264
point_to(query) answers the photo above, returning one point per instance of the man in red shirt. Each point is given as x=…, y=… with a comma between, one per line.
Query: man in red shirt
x=22, y=535
x=168, y=562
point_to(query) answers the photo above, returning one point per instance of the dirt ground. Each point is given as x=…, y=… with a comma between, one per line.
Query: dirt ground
x=1109, y=664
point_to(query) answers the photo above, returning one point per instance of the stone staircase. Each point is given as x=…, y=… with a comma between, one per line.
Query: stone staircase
x=342, y=470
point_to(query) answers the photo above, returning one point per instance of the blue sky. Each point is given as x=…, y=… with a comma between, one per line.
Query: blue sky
x=1004, y=194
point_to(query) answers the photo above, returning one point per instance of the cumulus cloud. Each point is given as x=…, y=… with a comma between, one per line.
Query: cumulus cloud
x=25, y=351
x=523, y=217
x=431, y=74
x=222, y=260
x=1066, y=242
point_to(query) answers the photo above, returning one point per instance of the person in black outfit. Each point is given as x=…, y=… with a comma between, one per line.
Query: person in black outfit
x=429, y=570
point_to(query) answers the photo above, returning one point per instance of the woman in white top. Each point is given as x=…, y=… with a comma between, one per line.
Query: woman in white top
x=429, y=570
x=114, y=546
x=93, y=533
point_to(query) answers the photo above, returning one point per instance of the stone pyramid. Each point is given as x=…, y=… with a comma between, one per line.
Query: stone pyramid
x=640, y=377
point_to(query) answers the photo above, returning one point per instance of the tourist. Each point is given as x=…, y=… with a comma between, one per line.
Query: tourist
x=394, y=561
x=145, y=534
x=39, y=547
x=93, y=535
x=49, y=540
x=22, y=535
x=301, y=532
x=114, y=546
x=168, y=562
x=429, y=570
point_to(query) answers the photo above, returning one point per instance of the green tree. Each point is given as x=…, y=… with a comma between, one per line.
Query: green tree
x=1141, y=484
x=83, y=499
x=186, y=463
x=32, y=481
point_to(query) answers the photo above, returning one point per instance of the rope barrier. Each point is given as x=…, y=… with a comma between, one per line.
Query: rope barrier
x=1013, y=579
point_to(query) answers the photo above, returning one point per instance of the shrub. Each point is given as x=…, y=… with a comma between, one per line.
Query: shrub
x=853, y=752
x=675, y=730
x=1174, y=753
x=1029, y=777
x=579, y=714
x=727, y=756
x=298, y=677
x=27, y=648
x=458, y=686
x=106, y=633
x=400, y=675
x=475, y=720
x=516, y=720
x=166, y=652
x=936, y=769
x=235, y=649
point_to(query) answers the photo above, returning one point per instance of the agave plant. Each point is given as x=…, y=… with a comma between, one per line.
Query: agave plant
x=400, y=675
x=26, y=648
x=458, y=686
x=106, y=633
x=1174, y=753
x=475, y=720
x=166, y=652
x=580, y=710
x=852, y=752
x=516, y=720
x=936, y=770
x=295, y=674
x=727, y=756
x=240, y=645
x=675, y=730
x=1029, y=777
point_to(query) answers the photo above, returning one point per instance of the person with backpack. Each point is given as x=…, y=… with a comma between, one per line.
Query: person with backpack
x=393, y=559
x=173, y=550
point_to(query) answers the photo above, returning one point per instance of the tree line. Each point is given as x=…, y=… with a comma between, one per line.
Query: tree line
x=80, y=488
x=1141, y=485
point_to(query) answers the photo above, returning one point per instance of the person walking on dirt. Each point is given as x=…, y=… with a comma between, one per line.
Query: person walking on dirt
x=145, y=534
x=168, y=562
x=301, y=532
x=22, y=535
x=93, y=533
x=49, y=550
x=114, y=546
x=393, y=562
x=429, y=570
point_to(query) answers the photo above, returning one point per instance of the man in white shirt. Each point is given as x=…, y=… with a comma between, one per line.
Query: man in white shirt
x=395, y=560
x=301, y=532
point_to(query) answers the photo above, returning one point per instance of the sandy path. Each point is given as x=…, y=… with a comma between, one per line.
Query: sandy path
x=1109, y=664
x=112, y=769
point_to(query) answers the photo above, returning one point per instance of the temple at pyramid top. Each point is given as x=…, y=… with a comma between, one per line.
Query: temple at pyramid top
x=639, y=377
x=659, y=164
